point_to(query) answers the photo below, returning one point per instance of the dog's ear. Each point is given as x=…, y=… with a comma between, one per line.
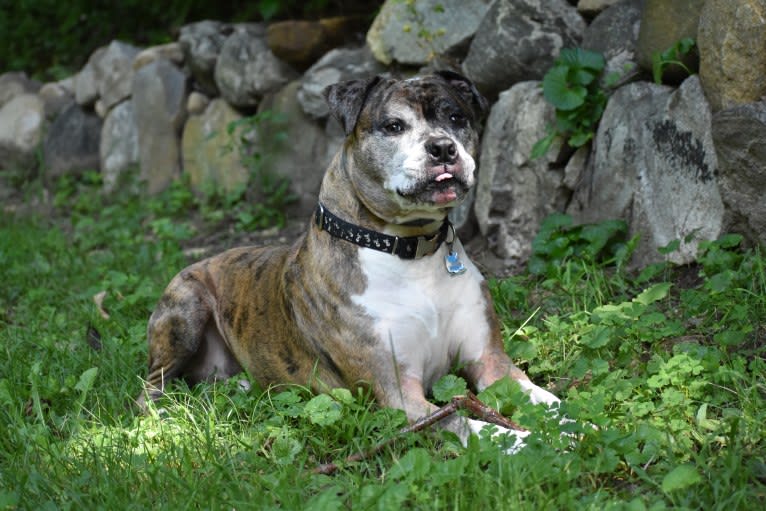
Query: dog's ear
x=467, y=91
x=346, y=100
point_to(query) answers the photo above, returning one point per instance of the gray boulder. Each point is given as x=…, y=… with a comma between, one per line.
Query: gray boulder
x=518, y=40
x=56, y=96
x=654, y=165
x=71, y=144
x=731, y=39
x=296, y=147
x=591, y=8
x=168, y=51
x=212, y=156
x=21, y=128
x=614, y=33
x=247, y=70
x=335, y=66
x=159, y=105
x=14, y=84
x=739, y=134
x=85, y=83
x=201, y=44
x=119, y=144
x=197, y=103
x=664, y=23
x=515, y=193
x=113, y=72
x=412, y=33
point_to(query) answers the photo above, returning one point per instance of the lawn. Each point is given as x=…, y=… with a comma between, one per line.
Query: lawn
x=667, y=362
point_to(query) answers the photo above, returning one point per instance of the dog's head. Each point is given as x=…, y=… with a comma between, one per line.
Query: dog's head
x=413, y=142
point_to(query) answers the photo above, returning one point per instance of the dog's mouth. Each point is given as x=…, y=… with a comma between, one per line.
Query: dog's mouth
x=443, y=185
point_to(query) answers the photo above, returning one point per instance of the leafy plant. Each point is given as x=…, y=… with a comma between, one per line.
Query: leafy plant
x=574, y=88
x=559, y=240
x=52, y=40
x=668, y=364
x=269, y=195
x=673, y=56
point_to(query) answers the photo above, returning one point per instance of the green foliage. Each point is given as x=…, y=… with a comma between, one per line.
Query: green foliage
x=673, y=56
x=558, y=240
x=448, y=387
x=268, y=193
x=573, y=86
x=679, y=407
x=52, y=40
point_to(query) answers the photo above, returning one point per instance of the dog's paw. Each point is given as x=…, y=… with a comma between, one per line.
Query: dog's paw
x=512, y=440
x=537, y=394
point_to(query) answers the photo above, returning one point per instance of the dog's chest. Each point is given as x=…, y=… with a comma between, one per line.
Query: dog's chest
x=424, y=318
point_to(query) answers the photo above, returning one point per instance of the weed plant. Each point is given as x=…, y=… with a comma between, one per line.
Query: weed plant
x=667, y=363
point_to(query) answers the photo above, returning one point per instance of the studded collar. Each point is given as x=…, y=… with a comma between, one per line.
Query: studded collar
x=405, y=247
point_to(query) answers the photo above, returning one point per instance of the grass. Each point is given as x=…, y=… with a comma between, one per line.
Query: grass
x=668, y=362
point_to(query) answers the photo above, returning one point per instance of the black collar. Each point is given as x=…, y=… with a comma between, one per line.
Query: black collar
x=412, y=247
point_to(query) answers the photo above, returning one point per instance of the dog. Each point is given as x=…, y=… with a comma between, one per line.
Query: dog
x=379, y=291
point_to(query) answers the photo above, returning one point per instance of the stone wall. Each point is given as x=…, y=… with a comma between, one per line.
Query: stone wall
x=682, y=161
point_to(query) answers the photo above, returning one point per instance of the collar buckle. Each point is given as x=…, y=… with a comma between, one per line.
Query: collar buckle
x=427, y=245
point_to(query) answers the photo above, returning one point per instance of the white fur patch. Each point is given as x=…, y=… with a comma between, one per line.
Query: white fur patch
x=538, y=394
x=424, y=317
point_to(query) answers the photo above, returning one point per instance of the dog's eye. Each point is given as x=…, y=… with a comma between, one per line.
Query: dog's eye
x=393, y=126
x=457, y=119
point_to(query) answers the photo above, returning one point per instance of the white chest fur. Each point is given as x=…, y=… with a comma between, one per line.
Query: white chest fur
x=424, y=317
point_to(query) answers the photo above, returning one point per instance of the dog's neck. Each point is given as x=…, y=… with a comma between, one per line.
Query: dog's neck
x=336, y=197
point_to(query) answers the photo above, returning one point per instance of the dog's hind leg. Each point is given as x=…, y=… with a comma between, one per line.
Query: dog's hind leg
x=183, y=338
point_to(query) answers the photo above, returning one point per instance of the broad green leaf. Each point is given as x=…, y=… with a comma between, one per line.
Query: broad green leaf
x=285, y=448
x=720, y=282
x=559, y=92
x=578, y=57
x=730, y=337
x=86, y=380
x=342, y=395
x=500, y=394
x=580, y=139
x=414, y=465
x=582, y=76
x=322, y=410
x=671, y=247
x=730, y=240
x=653, y=294
x=680, y=477
x=685, y=45
x=447, y=387
x=541, y=146
x=598, y=337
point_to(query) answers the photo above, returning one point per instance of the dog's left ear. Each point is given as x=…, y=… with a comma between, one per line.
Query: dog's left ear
x=467, y=91
x=346, y=100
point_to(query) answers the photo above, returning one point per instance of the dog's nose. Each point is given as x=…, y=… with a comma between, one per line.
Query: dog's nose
x=441, y=150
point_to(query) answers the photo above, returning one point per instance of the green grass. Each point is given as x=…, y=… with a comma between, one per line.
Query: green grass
x=667, y=362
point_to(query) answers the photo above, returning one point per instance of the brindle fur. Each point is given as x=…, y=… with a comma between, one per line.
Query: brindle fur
x=286, y=313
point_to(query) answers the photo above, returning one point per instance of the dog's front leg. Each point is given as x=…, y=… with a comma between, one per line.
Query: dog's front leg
x=495, y=364
x=408, y=395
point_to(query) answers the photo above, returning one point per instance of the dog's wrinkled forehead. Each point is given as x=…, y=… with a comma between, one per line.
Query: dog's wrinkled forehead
x=428, y=95
x=422, y=96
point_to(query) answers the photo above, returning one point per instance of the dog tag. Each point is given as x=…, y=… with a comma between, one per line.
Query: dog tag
x=454, y=264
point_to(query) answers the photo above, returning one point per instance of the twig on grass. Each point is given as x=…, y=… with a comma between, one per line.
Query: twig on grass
x=467, y=402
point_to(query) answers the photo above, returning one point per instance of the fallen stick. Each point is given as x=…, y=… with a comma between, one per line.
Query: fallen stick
x=467, y=402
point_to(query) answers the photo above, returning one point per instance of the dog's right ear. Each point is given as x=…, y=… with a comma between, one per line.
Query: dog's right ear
x=346, y=100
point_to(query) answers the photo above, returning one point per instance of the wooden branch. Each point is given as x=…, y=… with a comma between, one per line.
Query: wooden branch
x=468, y=402
x=486, y=413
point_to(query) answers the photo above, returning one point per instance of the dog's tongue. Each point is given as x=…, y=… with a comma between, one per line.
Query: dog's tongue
x=443, y=176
